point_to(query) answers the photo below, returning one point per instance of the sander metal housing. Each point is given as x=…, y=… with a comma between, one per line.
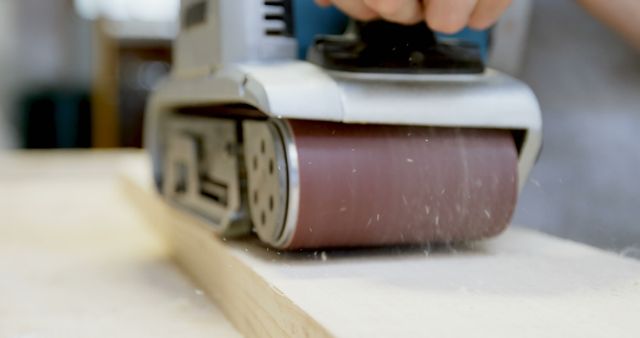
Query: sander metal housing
x=373, y=141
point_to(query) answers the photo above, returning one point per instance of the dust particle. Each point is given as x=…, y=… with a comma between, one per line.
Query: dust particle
x=535, y=182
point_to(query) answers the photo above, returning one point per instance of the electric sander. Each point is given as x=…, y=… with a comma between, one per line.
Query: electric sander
x=383, y=136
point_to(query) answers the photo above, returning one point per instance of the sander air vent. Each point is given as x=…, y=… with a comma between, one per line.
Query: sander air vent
x=278, y=18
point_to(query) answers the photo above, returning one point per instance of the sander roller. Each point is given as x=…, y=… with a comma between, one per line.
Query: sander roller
x=384, y=136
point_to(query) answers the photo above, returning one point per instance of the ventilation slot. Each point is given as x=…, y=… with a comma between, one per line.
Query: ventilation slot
x=278, y=18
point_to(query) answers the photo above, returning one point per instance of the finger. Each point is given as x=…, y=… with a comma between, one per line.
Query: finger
x=357, y=9
x=448, y=16
x=323, y=3
x=399, y=11
x=487, y=12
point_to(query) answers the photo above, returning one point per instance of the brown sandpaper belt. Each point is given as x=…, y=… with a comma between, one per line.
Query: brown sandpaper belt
x=366, y=185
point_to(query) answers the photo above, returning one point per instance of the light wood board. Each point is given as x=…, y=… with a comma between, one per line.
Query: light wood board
x=521, y=284
x=78, y=260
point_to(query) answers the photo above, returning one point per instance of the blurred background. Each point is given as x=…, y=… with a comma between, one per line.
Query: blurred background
x=76, y=74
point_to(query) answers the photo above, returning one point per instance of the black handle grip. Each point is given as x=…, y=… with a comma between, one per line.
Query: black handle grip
x=384, y=47
x=386, y=34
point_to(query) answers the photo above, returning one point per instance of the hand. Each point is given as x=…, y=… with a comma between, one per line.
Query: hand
x=446, y=16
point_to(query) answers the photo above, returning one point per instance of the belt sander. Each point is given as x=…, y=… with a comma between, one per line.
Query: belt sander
x=383, y=136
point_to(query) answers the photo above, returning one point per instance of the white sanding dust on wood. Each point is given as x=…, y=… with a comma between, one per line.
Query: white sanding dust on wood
x=521, y=284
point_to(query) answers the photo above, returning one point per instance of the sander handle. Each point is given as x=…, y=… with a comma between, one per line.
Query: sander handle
x=384, y=47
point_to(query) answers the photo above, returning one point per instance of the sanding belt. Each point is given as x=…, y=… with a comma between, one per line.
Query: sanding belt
x=371, y=185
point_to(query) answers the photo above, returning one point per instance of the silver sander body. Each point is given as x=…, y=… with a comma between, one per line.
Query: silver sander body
x=383, y=136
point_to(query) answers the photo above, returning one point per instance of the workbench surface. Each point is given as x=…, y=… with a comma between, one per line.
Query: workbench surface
x=77, y=260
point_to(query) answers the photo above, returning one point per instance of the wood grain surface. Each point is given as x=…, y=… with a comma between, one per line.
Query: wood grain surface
x=521, y=284
x=78, y=260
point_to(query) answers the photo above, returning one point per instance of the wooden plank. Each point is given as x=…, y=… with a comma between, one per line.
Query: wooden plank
x=76, y=259
x=115, y=42
x=105, y=100
x=522, y=283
